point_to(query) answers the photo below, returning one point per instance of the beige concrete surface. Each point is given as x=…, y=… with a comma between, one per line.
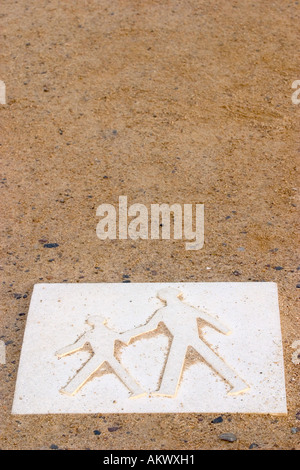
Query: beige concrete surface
x=161, y=101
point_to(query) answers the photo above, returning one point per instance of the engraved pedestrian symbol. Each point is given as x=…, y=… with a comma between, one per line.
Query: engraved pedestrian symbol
x=102, y=341
x=181, y=321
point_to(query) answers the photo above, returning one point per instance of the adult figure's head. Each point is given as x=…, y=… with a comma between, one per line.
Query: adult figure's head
x=95, y=320
x=169, y=294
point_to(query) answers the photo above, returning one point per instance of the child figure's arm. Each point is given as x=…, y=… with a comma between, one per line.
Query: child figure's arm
x=72, y=347
x=151, y=325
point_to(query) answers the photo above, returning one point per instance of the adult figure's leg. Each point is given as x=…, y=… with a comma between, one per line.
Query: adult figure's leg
x=173, y=369
x=217, y=364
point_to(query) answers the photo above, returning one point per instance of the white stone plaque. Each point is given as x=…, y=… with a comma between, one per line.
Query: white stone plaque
x=152, y=348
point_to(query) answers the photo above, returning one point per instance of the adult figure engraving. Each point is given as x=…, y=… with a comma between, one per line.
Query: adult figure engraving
x=181, y=320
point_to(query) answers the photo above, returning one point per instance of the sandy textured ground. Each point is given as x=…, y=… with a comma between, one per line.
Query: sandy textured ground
x=162, y=101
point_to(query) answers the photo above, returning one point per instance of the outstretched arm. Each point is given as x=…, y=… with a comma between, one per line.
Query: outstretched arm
x=151, y=325
x=72, y=347
x=213, y=322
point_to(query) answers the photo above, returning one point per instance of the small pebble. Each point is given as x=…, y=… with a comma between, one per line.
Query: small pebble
x=294, y=430
x=51, y=245
x=219, y=419
x=228, y=436
x=17, y=296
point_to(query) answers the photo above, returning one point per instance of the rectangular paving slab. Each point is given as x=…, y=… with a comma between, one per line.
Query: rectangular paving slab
x=152, y=347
